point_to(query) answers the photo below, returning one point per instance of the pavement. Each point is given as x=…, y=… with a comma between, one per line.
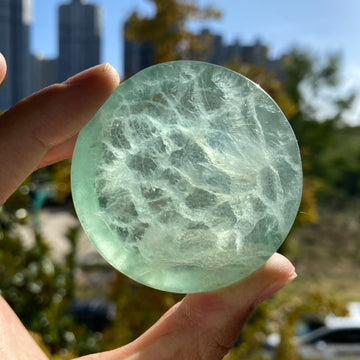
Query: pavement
x=54, y=225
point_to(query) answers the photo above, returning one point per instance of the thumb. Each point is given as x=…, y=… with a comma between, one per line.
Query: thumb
x=210, y=323
x=206, y=325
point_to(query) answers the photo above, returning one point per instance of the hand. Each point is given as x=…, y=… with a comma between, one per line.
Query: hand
x=41, y=130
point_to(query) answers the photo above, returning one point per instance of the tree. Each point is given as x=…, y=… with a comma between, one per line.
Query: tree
x=308, y=93
x=307, y=81
x=301, y=75
x=306, y=90
x=341, y=164
x=271, y=83
x=28, y=275
x=268, y=82
x=167, y=30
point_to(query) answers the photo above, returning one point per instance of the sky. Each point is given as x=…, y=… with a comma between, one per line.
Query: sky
x=319, y=26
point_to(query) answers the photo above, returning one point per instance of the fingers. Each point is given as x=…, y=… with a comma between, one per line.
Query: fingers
x=43, y=128
x=206, y=325
x=2, y=68
x=15, y=341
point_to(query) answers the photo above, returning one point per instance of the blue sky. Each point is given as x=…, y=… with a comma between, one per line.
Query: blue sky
x=320, y=26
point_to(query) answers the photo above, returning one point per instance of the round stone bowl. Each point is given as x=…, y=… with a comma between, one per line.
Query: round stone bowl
x=188, y=178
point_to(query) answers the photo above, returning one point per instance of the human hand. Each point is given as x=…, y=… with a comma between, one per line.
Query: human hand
x=41, y=130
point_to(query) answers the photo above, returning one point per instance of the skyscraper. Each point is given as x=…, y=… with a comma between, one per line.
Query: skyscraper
x=137, y=55
x=44, y=72
x=79, y=37
x=15, y=20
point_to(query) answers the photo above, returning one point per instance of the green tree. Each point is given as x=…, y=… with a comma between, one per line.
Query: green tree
x=28, y=275
x=341, y=164
x=167, y=30
x=304, y=80
x=309, y=81
x=271, y=83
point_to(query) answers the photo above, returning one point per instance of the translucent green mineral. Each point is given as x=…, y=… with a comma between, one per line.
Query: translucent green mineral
x=188, y=178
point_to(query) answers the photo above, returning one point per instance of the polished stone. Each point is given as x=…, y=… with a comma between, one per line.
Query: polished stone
x=188, y=178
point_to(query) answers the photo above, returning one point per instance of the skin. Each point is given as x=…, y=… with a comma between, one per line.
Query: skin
x=42, y=130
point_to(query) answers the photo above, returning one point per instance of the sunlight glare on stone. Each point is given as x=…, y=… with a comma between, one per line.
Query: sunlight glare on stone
x=188, y=178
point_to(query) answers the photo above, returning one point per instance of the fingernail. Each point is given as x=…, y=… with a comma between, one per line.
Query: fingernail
x=272, y=289
x=107, y=67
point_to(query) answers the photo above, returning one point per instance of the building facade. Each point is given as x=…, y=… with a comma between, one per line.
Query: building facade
x=15, y=21
x=44, y=72
x=80, y=27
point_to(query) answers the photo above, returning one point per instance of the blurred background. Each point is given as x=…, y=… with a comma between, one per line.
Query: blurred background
x=304, y=54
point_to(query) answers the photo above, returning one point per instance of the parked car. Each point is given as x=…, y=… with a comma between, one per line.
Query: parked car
x=330, y=344
x=337, y=339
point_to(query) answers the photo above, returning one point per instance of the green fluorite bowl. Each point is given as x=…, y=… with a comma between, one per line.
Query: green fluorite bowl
x=188, y=178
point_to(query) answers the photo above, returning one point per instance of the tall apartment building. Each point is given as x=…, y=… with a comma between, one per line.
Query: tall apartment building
x=79, y=37
x=15, y=20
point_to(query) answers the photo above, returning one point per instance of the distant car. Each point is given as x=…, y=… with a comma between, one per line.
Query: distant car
x=337, y=339
x=330, y=344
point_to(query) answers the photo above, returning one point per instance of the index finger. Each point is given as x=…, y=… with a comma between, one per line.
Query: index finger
x=48, y=119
